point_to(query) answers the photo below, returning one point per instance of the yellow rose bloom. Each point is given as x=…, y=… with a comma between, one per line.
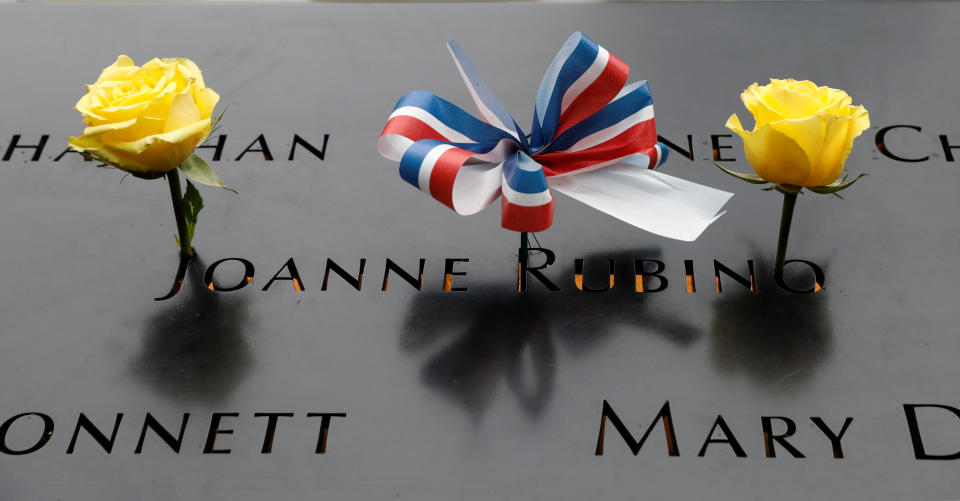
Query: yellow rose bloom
x=145, y=120
x=803, y=132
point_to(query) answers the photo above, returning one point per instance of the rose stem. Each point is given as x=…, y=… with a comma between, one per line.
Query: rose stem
x=786, y=216
x=524, y=245
x=173, y=179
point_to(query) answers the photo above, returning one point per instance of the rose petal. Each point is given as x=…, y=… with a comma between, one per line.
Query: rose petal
x=190, y=70
x=174, y=136
x=791, y=104
x=122, y=161
x=163, y=152
x=762, y=113
x=183, y=111
x=206, y=101
x=773, y=156
x=855, y=125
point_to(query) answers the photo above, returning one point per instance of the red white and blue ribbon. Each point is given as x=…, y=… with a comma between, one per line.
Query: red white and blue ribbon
x=593, y=138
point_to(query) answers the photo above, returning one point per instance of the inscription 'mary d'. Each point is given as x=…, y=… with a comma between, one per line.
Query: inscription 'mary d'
x=779, y=434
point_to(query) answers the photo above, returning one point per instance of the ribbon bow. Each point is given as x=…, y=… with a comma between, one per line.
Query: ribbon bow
x=593, y=138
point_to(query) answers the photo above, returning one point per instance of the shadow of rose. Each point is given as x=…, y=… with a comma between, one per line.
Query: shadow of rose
x=776, y=338
x=195, y=349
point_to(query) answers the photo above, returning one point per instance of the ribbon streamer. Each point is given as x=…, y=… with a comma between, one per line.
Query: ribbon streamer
x=593, y=138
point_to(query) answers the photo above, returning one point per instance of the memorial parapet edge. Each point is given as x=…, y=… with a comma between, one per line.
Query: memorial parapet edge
x=337, y=336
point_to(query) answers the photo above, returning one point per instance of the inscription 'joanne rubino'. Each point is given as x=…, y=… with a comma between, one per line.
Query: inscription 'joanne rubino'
x=650, y=275
x=779, y=434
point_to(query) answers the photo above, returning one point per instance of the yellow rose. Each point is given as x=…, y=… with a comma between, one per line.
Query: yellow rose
x=803, y=132
x=145, y=120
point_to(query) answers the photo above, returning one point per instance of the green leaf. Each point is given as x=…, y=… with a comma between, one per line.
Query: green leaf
x=786, y=189
x=834, y=187
x=215, y=124
x=789, y=188
x=750, y=178
x=192, y=203
x=198, y=170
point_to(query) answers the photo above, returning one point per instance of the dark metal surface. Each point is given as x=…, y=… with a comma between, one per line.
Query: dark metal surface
x=487, y=393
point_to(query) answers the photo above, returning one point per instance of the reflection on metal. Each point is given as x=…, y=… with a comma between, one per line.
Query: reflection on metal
x=769, y=437
x=45, y=433
x=151, y=423
x=526, y=270
x=476, y=340
x=484, y=335
x=417, y=283
x=721, y=434
x=272, y=418
x=819, y=277
x=195, y=347
x=293, y=275
x=247, y=277
x=779, y=343
x=664, y=416
x=178, y=279
x=578, y=277
x=448, y=275
x=83, y=422
x=834, y=437
x=776, y=430
x=355, y=282
x=749, y=283
x=324, y=428
x=641, y=272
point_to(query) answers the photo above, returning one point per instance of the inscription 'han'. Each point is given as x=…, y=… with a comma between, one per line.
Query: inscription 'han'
x=34, y=152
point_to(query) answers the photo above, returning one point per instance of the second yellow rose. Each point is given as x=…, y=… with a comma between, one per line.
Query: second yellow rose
x=803, y=132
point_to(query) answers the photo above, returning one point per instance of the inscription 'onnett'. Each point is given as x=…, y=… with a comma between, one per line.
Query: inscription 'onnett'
x=172, y=436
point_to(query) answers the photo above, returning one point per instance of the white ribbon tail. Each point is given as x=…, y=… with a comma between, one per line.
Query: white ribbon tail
x=665, y=205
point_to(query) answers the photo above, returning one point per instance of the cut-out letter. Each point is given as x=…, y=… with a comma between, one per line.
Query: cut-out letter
x=635, y=445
